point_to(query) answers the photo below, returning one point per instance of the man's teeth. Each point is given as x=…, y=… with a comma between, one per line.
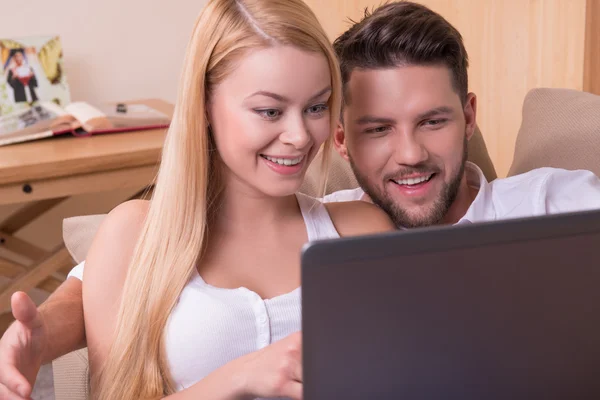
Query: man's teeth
x=413, y=181
x=285, y=161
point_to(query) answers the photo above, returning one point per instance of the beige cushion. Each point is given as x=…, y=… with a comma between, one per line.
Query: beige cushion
x=478, y=154
x=71, y=376
x=340, y=175
x=78, y=233
x=560, y=128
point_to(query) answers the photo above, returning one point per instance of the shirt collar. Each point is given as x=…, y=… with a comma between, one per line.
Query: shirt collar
x=482, y=208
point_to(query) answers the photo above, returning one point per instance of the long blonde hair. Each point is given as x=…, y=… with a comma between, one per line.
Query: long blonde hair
x=187, y=186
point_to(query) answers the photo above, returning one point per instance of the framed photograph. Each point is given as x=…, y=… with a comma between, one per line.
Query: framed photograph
x=31, y=71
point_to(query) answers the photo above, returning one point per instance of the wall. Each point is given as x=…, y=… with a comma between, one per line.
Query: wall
x=113, y=49
x=592, y=48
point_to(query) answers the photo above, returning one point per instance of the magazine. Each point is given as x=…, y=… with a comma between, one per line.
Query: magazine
x=47, y=119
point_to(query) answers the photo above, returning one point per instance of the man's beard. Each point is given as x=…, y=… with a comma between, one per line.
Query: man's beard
x=433, y=215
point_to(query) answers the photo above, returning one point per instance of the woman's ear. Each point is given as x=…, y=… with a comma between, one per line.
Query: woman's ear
x=339, y=141
x=470, y=111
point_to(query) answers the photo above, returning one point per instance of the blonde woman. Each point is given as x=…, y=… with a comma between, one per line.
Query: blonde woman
x=195, y=294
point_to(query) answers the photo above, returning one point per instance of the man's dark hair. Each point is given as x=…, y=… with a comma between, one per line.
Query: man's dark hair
x=403, y=33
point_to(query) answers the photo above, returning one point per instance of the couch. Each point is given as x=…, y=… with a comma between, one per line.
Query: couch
x=560, y=128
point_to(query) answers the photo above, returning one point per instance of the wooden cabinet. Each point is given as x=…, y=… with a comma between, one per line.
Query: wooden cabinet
x=513, y=46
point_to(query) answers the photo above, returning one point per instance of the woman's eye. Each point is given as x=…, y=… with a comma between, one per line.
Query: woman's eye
x=269, y=113
x=318, y=109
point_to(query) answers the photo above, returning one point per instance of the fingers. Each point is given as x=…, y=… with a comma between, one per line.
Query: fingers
x=298, y=345
x=295, y=353
x=294, y=390
x=294, y=341
x=297, y=372
x=6, y=394
x=25, y=310
x=14, y=382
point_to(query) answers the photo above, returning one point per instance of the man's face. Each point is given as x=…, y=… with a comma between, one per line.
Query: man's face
x=405, y=134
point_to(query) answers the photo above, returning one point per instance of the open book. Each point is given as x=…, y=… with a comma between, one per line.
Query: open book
x=47, y=119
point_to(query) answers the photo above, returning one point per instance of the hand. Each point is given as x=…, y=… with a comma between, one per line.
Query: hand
x=21, y=349
x=275, y=371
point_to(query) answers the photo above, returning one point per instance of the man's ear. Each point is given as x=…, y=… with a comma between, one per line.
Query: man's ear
x=339, y=141
x=470, y=111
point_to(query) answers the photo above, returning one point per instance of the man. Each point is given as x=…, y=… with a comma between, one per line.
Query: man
x=406, y=121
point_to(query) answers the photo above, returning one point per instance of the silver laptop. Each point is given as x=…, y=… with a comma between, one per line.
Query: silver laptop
x=502, y=310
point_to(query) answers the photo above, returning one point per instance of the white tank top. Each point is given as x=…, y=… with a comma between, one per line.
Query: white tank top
x=211, y=326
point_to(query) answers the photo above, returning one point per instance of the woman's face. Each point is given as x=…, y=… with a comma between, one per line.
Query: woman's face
x=18, y=57
x=269, y=117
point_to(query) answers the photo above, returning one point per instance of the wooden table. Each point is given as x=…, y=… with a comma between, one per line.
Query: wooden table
x=45, y=173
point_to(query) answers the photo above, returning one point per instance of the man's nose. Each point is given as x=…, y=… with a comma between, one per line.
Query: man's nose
x=409, y=150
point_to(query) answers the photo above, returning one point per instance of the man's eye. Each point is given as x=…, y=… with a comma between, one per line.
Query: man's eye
x=434, y=122
x=269, y=114
x=379, y=129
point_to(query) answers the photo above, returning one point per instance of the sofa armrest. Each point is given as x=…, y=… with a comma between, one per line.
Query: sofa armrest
x=71, y=376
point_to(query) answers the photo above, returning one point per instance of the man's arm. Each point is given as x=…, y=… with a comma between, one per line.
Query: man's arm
x=62, y=314
x=39, y=335
x=570, y=191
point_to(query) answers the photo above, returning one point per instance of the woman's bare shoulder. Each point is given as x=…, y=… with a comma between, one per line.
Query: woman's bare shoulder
x=132, y=212
x=106, y=266
x=353, y=218
x=117, y=236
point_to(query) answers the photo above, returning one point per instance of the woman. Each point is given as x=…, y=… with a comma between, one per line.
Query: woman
x=195, y=293
x=21, y=78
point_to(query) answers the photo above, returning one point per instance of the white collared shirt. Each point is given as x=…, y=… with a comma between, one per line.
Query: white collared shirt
x=538, y=192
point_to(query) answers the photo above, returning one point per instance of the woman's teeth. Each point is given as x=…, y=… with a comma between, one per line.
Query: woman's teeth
x=413, y=181
x=285, y=161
